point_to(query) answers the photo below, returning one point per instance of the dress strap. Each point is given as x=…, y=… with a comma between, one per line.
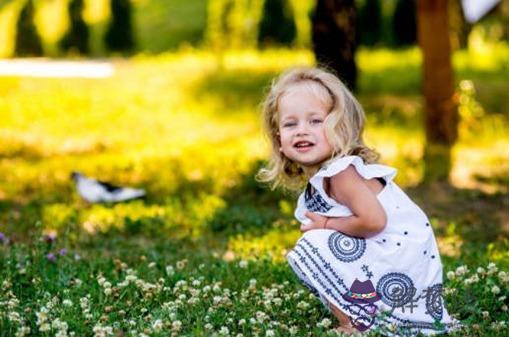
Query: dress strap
x=367, y=171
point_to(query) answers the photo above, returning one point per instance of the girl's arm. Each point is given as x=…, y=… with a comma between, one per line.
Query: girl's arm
x=351, y=190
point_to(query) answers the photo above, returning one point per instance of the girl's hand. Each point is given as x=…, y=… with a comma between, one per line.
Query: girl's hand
x=317, y=222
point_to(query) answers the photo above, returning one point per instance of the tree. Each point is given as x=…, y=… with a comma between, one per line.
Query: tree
x=459, y=27
x=119, y=36
x=333, y=37
x=277, y=24
x=28, y=42
x=404, y=23
x=441, y=114
x=370, y=23
x=77, y=35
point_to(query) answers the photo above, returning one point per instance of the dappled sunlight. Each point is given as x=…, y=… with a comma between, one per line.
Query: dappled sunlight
x=186, y=127
x=275, y=243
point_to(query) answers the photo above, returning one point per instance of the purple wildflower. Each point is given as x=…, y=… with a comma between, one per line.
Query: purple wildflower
x=50, y=238
x=2, y=237
x=62, y=252
x=51, y=257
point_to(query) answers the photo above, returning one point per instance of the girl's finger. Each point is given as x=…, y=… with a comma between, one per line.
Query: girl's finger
x=311, y=215
x=304, y=228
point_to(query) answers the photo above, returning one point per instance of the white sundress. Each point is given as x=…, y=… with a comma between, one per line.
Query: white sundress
x=391, y=281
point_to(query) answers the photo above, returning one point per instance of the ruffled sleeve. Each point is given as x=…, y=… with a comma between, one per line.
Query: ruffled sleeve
x=330, y=206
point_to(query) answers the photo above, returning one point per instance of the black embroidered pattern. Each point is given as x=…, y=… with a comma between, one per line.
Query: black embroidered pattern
x=346, y=248
x=314, y=201
x=434, y=301
x=304, y=255
x=396, y=289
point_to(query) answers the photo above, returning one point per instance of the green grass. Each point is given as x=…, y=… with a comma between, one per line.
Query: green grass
x=186, y=127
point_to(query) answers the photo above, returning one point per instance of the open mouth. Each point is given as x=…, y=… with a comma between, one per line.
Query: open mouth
x=303, y=145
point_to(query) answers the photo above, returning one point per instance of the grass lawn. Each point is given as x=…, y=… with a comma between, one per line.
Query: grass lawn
x=203, y=255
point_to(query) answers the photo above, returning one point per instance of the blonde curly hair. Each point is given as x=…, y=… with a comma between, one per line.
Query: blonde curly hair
x=343, y=126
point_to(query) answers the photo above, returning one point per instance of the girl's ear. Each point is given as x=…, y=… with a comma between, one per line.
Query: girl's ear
x=278, y=138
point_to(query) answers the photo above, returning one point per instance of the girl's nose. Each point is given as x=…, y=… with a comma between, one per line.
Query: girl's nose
x=302, y=129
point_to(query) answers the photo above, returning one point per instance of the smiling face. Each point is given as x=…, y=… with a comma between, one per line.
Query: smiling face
x=302, y=112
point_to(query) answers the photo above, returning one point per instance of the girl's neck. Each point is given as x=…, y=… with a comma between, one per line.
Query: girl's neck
x=310, y=171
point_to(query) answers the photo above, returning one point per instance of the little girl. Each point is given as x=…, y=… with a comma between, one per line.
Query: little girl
x=368, y=252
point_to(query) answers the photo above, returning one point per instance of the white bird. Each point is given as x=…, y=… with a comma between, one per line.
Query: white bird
x=93, y=190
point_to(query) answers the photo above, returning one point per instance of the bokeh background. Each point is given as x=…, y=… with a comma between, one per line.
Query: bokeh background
x=164, y=95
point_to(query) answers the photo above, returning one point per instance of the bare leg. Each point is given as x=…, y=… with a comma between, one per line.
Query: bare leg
x=346, y=326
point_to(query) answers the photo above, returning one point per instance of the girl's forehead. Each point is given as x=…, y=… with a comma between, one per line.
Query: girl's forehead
x=296, y=90
x=312, y=87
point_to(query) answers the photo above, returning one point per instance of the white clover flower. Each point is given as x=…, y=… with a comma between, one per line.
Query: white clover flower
x=243, y=264
x=449, y=291
x=270, y=333
x=107, y=285
x=495, y=290
x=14, y=316
x=461, y=270
x=151, y=264
x=123, y=284
x=485, y=314
x=451, y=275
x=481, y=271
x=208, y=326
x=157, y=325
x=67, y=303
x=492, y=268
x=44, y=327
x=325, y=323
x=101, y=280
x=303, y=305
x=224, y=330
x=176, y=325
x=22, y=331
x=181, y=264
x=131, y=278
x=503, y=276
x=293, y=330
x=503, y=308
x=252, y=282
x=170, y=271
x=242, y=322
x=239, y=335
x=107, y=291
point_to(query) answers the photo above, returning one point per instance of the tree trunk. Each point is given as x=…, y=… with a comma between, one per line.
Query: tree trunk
x=441, y=114
x=334, y=40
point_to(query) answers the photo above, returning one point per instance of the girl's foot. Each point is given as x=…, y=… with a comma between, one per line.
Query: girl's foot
x=347, y=330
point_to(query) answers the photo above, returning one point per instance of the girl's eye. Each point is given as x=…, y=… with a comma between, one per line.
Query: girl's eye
x=289, y=124
x=316, y=121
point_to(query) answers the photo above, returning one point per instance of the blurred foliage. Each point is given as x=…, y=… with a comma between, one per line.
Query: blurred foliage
x=277, y=25
x=404, y=23
x=119, y=35
x=160, y=25
x=28, y=42
x=76, y=38
x=369, y=23
x=188, y=132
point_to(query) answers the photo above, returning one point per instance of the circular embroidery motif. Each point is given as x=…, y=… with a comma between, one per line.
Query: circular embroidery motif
x=346, y=248
x=434, y=301
x=396, y=289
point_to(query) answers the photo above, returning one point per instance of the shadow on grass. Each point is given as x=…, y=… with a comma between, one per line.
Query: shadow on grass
x=235, y=89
